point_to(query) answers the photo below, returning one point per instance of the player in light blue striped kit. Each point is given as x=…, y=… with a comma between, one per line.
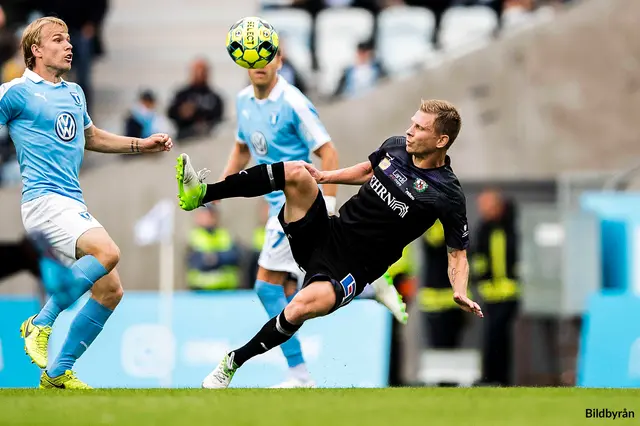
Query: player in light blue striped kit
x=276, y=122
x=49, y=124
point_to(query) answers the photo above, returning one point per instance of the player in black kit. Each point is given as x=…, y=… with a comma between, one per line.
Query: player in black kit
x=407, y=184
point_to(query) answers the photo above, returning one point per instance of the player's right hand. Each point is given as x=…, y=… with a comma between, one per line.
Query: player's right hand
x=467, y=304
x=315, y=173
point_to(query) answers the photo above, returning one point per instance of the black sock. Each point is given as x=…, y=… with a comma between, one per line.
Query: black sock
x=274, y=333
x=253, y=182
x=18, y=256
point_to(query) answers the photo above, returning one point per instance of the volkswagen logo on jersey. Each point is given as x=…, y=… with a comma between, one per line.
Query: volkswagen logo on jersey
x=386, y=196
x=65, y=126
x=259, y=143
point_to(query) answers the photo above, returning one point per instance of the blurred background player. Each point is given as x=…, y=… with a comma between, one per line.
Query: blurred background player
x=50, y=126
x=34, y=254
x=276, y=122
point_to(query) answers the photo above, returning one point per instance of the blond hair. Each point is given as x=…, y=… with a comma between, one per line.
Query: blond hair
x=447, y=121
x=33, y=35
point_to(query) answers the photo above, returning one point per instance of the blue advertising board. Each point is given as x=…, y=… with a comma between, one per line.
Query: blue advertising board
x=150, y=341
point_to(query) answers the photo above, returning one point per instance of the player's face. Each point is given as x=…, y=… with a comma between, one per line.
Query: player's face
x=265, y=76
x=55, y=48
x=422, y=138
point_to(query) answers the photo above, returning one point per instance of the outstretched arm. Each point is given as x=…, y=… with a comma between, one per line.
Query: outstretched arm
x=102, y=141
x=459, y=277
x=329, y=158
x=354, y=175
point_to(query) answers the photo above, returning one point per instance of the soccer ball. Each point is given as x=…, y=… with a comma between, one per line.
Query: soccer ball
x=252, y=42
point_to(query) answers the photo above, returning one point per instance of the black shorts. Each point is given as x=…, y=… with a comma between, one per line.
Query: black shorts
x=321, y=251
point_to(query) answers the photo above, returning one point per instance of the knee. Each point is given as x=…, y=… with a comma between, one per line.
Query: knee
x=109, y=255
x=297, y=311
x=295, y=172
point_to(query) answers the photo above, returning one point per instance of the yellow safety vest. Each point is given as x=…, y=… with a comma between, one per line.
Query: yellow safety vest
x=258, y=238
x=500, y=288
x=223, y=278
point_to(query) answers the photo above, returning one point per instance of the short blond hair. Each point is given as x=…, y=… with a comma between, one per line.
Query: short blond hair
x=33, y=35
x=447, y=121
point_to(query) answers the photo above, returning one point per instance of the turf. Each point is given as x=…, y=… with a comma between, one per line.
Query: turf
x=309, y=407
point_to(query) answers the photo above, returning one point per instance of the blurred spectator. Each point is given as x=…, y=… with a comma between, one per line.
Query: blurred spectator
x=494, y=267
x=444, y=320
x=363, y=76
x=213, y=257
x=84, y=19
x=12, y=61
x=196, y=109
x=143, y=119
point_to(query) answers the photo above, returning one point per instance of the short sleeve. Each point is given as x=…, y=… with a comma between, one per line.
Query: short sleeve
x=86, y=118
x=307, y=122
x=12, y=102
x=454, y=223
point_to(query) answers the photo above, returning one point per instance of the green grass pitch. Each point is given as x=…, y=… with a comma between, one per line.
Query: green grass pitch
x=309, y=407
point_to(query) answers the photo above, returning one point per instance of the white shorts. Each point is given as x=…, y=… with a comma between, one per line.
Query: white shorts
x=276, y=252
x=62, y=220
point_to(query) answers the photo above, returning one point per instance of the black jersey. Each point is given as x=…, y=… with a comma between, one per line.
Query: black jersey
x=397, y=205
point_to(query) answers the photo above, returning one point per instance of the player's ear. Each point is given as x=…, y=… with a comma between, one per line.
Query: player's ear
x=442, y=141
x=35, y=50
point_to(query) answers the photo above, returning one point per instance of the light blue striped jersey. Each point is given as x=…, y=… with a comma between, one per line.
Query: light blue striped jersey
x=46, y=123
x=283, y=127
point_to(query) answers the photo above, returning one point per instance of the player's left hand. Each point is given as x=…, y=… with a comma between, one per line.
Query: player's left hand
x=467, y=304
x=157, y=142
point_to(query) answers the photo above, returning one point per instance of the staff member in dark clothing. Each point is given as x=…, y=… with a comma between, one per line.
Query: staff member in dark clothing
x=196, y=108
x=444, y=320
x=494, y=264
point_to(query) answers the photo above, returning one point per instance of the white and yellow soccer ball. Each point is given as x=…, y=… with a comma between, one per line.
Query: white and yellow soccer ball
x=252, y=42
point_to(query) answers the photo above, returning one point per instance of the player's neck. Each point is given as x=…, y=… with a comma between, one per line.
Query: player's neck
x=430, y=161
x=47, y=73
x=263, y=92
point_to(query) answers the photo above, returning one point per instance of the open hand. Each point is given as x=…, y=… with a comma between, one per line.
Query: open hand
x=467, y=304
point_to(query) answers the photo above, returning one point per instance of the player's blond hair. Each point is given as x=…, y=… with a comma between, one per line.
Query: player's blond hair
x=447, y=121
x=33, y=35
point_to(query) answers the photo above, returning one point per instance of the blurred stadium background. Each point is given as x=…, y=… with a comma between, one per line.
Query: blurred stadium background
x=549, y=93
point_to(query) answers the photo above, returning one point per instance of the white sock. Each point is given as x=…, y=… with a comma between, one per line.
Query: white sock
x=300, y=372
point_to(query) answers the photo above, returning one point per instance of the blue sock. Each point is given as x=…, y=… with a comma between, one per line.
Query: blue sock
x=84, y=272
x=84, y=329
x=48, y=314
x=274, y=301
